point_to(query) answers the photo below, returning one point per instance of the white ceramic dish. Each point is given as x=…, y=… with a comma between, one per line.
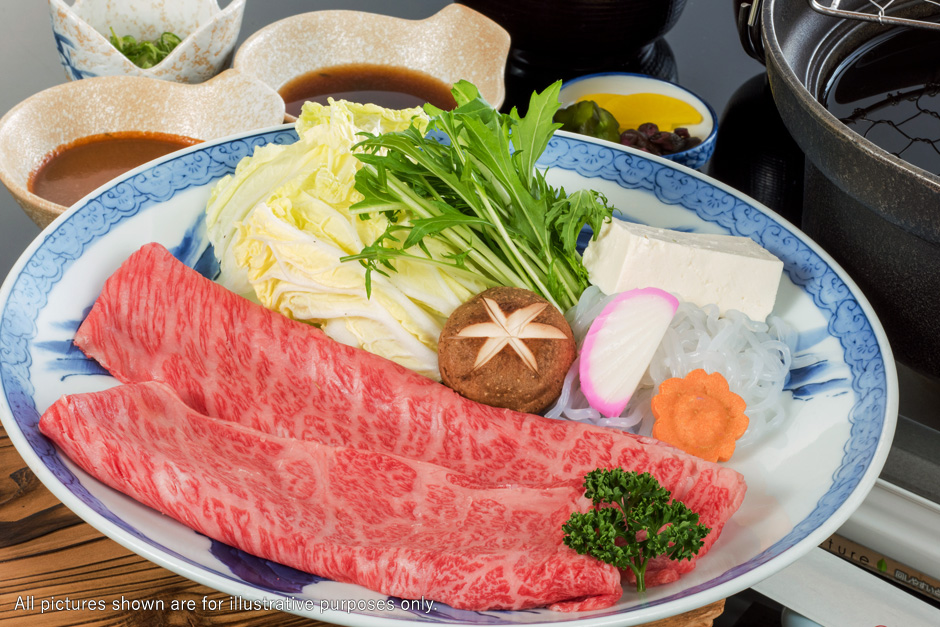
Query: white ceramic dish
x=82, y=36
x=804, y=479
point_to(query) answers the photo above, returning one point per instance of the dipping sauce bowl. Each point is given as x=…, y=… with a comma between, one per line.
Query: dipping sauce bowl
x=35, y=129
x=453, y=44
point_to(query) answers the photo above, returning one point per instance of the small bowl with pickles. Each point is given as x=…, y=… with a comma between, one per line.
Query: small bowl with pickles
x=643, y=112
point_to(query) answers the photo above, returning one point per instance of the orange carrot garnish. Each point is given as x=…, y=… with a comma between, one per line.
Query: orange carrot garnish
x=700, y=415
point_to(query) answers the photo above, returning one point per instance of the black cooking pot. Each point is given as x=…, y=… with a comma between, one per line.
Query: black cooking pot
x=875, y=213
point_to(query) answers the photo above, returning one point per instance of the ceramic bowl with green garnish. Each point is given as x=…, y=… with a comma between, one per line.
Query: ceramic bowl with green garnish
x=186, y=41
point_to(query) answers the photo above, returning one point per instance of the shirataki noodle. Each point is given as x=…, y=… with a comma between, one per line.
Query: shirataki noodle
x=755, y=357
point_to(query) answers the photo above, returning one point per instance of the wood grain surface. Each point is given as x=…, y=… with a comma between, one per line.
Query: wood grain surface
x=56, y=570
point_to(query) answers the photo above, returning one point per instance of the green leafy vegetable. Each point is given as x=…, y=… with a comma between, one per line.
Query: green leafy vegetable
x=632, y=522
x=587, y=118
x=477, y=195
x=145, y=54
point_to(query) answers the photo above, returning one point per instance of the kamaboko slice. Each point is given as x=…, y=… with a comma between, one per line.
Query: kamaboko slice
x=620, y=344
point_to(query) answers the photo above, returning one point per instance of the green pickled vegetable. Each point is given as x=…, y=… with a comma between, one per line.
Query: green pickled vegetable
x=145, y=54
x=586, y=118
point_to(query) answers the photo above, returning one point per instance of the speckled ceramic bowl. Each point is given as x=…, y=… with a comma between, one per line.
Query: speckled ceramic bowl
x=229, y=103
x=208, y=35
x=453, y=44
x=628, y=83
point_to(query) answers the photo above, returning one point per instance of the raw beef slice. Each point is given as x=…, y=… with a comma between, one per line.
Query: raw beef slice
x=157, y=319
x=401, y=527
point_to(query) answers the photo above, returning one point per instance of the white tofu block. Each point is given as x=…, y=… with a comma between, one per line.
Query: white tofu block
x=728, y=271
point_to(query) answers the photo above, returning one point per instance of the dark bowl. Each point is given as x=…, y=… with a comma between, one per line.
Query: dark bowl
x=579, y=33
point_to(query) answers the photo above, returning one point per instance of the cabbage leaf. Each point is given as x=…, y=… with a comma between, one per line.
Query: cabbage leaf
x=281, y=226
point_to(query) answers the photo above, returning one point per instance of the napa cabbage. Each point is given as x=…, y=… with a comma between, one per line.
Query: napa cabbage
x=280, y=226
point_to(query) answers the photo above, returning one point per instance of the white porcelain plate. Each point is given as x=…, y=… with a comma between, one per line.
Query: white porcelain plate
x=804, y=479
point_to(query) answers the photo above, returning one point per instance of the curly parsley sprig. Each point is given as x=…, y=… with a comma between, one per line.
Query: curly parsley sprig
x=632, y=522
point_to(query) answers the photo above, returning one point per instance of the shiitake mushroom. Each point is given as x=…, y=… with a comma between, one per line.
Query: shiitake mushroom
x=507, y=347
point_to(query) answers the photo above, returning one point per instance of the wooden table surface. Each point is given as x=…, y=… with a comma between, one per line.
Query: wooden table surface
x=52, y=562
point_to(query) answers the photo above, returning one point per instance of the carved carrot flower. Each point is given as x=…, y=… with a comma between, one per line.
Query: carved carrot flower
x=700, y=415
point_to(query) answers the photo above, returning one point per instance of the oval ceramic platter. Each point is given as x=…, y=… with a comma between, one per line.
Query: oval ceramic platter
x=804, y=478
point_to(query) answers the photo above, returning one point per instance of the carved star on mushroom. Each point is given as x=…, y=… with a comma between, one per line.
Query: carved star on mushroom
x=512, y=330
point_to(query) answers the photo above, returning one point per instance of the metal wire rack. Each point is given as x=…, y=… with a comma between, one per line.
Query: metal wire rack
x=905, y=122
x=896, y=130
x=877, y=12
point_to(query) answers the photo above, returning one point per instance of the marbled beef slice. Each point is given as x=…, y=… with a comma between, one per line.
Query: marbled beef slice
x=402, y=527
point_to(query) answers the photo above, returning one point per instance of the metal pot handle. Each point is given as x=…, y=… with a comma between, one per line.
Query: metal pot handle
x=880, y=15
x=749, y=28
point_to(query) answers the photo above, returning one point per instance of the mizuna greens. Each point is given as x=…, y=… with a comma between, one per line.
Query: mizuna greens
x=470, y=186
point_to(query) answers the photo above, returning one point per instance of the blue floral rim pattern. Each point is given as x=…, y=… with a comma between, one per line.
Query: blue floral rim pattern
x=65, y=46
x=846, y=319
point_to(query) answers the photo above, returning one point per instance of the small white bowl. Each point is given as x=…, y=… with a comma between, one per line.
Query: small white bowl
x=626, y=83
x=227, y=104
x=82, y=35
x=453, y=44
